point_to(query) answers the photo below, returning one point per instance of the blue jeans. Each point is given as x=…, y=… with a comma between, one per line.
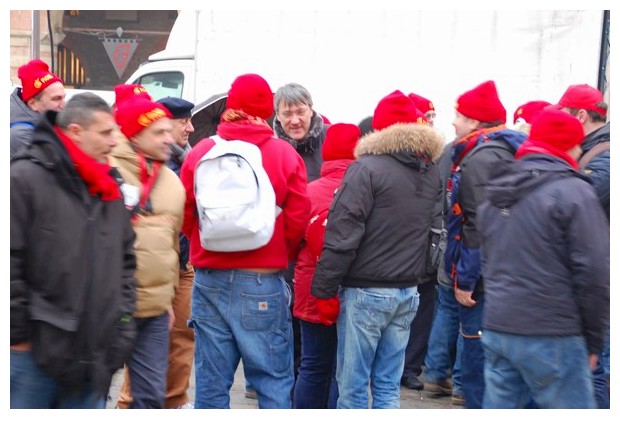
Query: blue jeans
x=148, y=366
x=553, y=370
x=601, y=376
x=315, y=386
x=33, y=388
x=373, y=330
x=472, y=355
x=443, y=340
x=242, y=315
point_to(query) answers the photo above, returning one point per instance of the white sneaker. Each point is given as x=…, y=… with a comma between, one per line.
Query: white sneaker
x=186, y=406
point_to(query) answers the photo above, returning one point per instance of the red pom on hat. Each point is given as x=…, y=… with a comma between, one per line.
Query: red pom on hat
x=35, y=77
x=482, y=104
x=251, y=94
x=423, y=104
x=582, y=97
x=340, y=141
x=126, y=92
x=529, y=110
x=135, y=114
x=557, y=129
x=394, y=108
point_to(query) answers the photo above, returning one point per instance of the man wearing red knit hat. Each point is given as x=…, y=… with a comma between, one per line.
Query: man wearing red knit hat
x=240, y=300
x=41, y=90
x=481, y=140
x=72, y=262
x=374, y=254
x=154, y=198
x=545, y=246
x=425, y=106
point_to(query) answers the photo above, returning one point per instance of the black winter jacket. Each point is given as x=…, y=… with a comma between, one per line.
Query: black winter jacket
x=379, y=221
x=72, y=267
x=545, y=252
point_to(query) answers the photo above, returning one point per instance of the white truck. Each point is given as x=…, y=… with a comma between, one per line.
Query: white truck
x=350, y=59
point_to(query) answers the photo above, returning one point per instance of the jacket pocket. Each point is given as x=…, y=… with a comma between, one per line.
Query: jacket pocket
x=58, y=352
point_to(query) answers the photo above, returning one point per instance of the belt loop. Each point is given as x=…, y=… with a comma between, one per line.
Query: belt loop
x=232, y=276
x=259, y=279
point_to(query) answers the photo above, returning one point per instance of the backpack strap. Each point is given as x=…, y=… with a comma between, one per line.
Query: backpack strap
x=596, y=150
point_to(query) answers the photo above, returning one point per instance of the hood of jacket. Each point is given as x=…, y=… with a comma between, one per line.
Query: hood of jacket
x=257, y=134
x=408, y=143
x=19, y=111
x=511, y=180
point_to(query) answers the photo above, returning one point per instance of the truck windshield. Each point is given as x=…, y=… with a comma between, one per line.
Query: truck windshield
x=164, y=84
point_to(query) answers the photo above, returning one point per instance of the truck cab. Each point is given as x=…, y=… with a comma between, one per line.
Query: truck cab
x=166, y=78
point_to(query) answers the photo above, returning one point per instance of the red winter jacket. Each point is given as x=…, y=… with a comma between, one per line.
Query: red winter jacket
x=321, y=193
x=287, y=173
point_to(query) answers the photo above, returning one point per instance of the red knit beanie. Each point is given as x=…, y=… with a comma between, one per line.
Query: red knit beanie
x=423, y=104
x=529, y=110
x=482, y=104
x=557, y=129
x=251, y=94
x=35, y=77
x=340, y=141
x=394, y=108
x=135, y=114
x=127, y=91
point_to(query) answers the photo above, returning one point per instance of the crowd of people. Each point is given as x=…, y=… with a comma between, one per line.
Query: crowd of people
x=476, y=268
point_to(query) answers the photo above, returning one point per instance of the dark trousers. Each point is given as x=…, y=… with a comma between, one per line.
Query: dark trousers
x=420, y=329
x=315, y=386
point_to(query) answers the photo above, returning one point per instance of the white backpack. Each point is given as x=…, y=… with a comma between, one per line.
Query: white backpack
x=234, y=196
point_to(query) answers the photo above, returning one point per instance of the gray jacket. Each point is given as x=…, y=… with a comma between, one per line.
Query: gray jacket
x=22, y=122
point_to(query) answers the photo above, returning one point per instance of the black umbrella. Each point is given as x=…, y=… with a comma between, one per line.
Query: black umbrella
x=206, y=117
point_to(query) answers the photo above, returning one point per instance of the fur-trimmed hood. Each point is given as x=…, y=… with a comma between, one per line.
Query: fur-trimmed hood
x=402, y=138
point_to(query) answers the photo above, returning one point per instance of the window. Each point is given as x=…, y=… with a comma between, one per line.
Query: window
x=160, y=85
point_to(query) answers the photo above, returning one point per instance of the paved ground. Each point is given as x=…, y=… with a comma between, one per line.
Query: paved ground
x=408, y=398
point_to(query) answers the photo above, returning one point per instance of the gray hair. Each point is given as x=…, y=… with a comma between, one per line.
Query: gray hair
x=80, y=110
x=292, y=93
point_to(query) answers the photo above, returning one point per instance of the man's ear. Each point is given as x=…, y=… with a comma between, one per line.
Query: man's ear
x=32, y=104
x=582, y=116
x=74, y=131
x=474, y=124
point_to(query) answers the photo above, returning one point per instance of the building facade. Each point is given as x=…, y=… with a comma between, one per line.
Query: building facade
x=88, y=49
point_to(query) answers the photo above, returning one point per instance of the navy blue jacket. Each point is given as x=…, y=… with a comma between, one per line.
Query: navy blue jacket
x=598, y=169
x=174, y=163
x=462, y=255
x=545, y=252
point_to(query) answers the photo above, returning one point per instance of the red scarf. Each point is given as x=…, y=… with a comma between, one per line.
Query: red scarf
x=531, y=147
x=95, y=174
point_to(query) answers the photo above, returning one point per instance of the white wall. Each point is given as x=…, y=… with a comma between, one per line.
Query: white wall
x=349, y=59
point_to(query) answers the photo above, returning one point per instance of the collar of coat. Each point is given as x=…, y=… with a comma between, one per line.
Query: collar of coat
x=402, y=138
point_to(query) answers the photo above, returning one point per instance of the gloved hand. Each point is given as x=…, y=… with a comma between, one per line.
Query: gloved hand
x=328, y=310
